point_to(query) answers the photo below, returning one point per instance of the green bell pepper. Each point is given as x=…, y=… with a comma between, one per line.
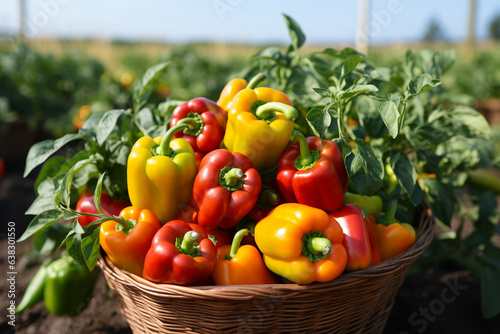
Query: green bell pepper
x=68, y=286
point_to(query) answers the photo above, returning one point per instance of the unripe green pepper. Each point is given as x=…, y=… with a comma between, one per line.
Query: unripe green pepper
x=371, y=204
x=68, y=286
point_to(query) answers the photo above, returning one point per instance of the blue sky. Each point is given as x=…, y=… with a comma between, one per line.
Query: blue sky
x=245, y=21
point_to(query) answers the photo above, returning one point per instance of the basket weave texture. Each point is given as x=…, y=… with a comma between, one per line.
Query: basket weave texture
x=356, y=302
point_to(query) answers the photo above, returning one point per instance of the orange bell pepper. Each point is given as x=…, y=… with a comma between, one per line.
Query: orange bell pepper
x=301, y=243
x=394, y=239
x=240, y=265
x=127, y=248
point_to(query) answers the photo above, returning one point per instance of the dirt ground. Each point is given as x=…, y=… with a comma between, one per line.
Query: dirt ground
x=426, y=303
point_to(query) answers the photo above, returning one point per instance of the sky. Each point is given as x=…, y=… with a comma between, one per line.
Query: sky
x=243, y=21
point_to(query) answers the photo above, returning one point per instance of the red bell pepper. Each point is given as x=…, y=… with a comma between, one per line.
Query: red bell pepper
x=190, y=216
x=370, y=223
x=312, y=172
x=206, y=123
x=86, y=205
x=180, y=253
x=225, y=189
x=356, y=239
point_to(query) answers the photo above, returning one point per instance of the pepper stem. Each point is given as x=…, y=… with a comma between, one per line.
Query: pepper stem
x=252, y=84
x=231, y=178
x=188, y=242
x=236, y=243
x=315, y=246
x=307, y=158
x=195, y=123
x=268, y=196
x=269, y=109
x=390, y=215
x=164, y=148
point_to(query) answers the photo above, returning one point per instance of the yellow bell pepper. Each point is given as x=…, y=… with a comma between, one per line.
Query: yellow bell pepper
x=259, y=125
x=234, y=86
x=161, y=173
x=301, y=243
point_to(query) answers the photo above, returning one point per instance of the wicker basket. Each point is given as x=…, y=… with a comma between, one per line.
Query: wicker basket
x=357, y=302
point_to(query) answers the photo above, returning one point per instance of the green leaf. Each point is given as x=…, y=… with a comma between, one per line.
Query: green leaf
x=142, y=89
x=469, y=122
x=45, y=201
x=50, y=169
x=441, y=199
x=357, y=90
x=405, y=171
x=74, y=247
x=43, y=220
x=88, y=128
x=421, y=83
x=98, y=192
x=51, y=239
x=296, y=34
x=68, y=178
x=350, y=64
x=390, y=115
x=39, y=152
x=490, y=292
x=323, y=92
x=107, y=123
x=319, y=120
x=365, y=167
x=90, y=246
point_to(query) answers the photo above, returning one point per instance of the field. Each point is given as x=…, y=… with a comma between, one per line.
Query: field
x=62, y=82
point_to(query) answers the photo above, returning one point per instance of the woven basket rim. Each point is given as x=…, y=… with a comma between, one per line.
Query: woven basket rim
x=425, y=234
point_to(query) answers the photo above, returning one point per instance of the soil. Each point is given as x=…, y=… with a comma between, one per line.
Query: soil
x=428, y=302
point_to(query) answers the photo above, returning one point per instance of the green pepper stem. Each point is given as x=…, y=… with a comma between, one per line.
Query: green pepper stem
x=315, y=246
x=252, y=84
x=164, y=148
x=195, y=123
x=230, y=177
x=188, y=242
x=268, y=196
x=390, y=215
x=319, y=245
x=305, y=154
x=269, y=109
x=236, y=243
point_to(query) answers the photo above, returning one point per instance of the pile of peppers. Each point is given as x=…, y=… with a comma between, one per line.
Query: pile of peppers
x=242, y=197
x=233, y=193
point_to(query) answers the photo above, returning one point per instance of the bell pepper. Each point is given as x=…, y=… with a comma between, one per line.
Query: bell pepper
x=68, y=286
x=225, y=189
x=268, y=199
x=356, y=239
x=234, y=86
x=207, y=123
x=372, y=205
x=374, y=248
x=260, y=130
x=180, y=253
x=86, y=204
x=160, y=173
x=222, y=236
x=249, y=224
x=125, y=245
x=301, y=243
x=34, y=291
x=312, y=172
x=393, y=237
x=240, y=265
